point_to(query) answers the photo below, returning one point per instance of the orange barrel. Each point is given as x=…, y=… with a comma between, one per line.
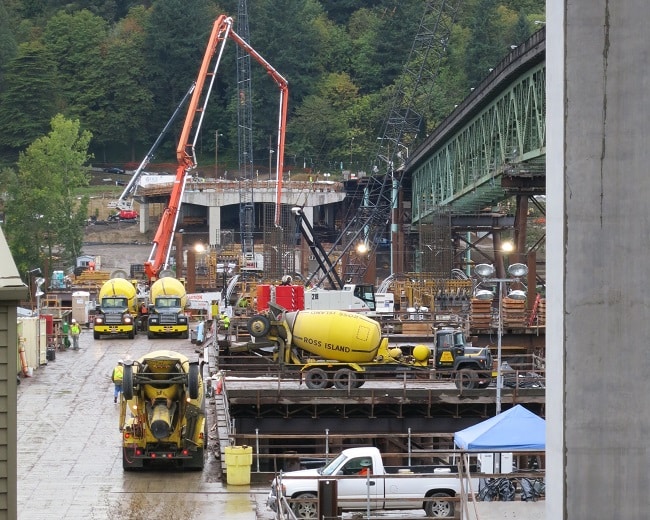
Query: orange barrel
x=263, y=297
x=291, y=297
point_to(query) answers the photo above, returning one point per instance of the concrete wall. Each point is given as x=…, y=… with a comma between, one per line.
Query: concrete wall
x=598, y=216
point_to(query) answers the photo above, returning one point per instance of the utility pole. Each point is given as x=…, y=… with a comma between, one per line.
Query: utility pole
x=270, y=158
x=217, y=135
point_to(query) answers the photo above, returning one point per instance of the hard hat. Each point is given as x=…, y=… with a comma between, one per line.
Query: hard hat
x=120, y=362
x=74, y=321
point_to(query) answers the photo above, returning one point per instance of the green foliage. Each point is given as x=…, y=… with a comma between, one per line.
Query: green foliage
x=121, y=67
x=29, y=100
x=174, y=46
x=44, y=218
x=8, y=44
x=123, y=111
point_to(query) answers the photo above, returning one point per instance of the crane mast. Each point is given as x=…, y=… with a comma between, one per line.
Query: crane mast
x=185, y=151
x=245, y=141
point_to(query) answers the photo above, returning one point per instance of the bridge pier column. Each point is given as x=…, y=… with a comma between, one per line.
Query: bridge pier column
x=145, y=220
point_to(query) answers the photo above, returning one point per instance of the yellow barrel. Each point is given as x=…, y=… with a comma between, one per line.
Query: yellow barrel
x=239, y=460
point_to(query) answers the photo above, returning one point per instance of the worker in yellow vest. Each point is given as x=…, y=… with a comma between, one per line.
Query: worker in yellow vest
x=117, y=377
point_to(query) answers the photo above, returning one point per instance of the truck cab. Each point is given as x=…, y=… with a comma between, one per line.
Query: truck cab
x=471, y=367
x=116, y=311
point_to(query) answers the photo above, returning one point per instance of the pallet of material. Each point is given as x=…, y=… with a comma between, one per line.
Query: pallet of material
x=416, y=328
x=91, y=278
x=481, y=313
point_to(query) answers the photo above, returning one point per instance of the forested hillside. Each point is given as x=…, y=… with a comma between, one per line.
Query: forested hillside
x=121, y=67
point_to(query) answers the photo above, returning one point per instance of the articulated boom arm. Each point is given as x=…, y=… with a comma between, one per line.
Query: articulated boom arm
x=185, y=151
x=282, y=118
x=131, y=186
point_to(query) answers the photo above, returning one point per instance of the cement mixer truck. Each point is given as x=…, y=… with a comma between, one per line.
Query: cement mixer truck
x=342, y=349
x=349, y=347
x=116, y=310
x=167, y=317
x=162, y=412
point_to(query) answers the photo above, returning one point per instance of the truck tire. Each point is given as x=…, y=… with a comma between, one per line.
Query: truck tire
x=258, y=326
x=193, y=381
x=439, y=508
x=131, y=335
x=96, y=335
x=466, y=379
x=346, y=378
x=316, y=379
x=127, y=382
x=307, y=507
x=197, y=460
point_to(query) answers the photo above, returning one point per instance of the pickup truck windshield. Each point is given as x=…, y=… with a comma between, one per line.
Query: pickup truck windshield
x=330, y=468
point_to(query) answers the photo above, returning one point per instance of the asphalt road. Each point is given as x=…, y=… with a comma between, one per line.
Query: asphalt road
x=69, y=449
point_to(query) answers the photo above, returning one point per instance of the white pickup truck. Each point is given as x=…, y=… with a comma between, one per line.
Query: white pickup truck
x=377, y=487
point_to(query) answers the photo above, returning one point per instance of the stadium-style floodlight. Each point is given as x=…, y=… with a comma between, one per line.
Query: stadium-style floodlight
x=518, y=270
x=485, y=272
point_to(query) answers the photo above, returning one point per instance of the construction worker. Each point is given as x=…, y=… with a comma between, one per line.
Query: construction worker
x=65, y=334
x=144, y=316
x=365, y=467
x=117, y=377
x=75, y=330
x=225, y=321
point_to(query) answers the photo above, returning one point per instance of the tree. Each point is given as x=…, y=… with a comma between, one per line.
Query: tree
x=176, y=37
x=8, y=45
x=485, y=50
x=122, y=114
x=76, y=42
x=29, y=99
x=44, y=218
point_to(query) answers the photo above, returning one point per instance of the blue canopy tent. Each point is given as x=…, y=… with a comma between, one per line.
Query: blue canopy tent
x=516, y=429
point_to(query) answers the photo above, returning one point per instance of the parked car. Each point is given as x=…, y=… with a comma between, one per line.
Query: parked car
x=115, y=169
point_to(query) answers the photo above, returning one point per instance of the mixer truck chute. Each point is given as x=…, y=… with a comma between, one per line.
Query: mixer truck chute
x=116, y=309
x=166, y=316
x=166, y=423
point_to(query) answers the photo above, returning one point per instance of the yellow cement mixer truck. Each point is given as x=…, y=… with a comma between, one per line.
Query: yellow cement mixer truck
x=116, y=309
x=162, y=414
x=168, y=299
x=342, y=349
x=332, y=348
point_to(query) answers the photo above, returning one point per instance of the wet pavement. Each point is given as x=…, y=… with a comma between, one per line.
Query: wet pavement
x=69, y=450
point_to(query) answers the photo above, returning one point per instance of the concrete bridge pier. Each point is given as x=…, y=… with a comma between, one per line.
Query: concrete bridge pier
x=598, y=131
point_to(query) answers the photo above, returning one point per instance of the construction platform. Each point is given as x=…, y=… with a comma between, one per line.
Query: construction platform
x=290, y=425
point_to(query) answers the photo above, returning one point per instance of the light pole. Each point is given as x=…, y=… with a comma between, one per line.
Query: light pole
x=270, y=162
x=217, y=135
x=351, y=141
x=484, y=272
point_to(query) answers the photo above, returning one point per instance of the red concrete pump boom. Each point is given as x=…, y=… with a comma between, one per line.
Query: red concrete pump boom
x=185, y=151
